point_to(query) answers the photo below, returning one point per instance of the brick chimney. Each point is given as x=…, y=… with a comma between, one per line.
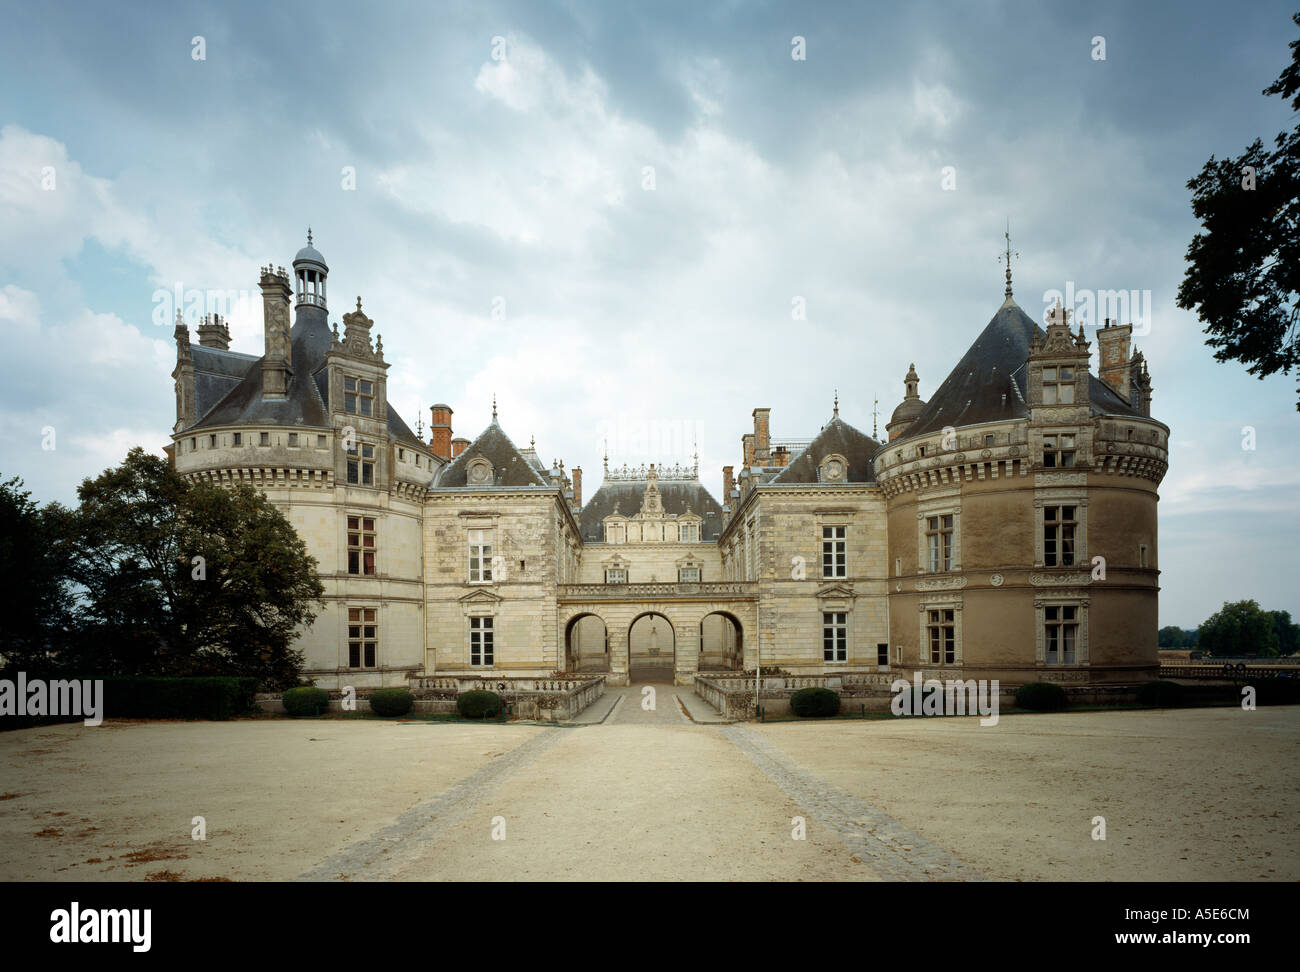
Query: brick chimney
x=747, y=448
x=576, y=474
x=276, y=368
x=728, y=483
x=781, y=456
x=1113, y=342
x=458, y=446
x=440, y=431
x=762, y=436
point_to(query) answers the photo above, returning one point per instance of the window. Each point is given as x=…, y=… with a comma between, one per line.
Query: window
x=920, y=450
x=689, y=532
x=360, y=470
x=212, y=442
x=1058, y=386
x=363, y=638
x=1059, y=525
x=988, y=440
x=834, y=551
x=293, y=440
x=401, y=455
x=1142, y=554
x=358, y=396
x=239, y=438
x=480, y=557
x=689, y=575
x=480, y=641
x=1061, y=624
x=264, y=438
x=1058, y=450
x=942, y=630
x=835, y=635
x=320, y=442
x=616, y=575
x=193, y=444
x=361, y=545
x=938, y=538
x=882, y=656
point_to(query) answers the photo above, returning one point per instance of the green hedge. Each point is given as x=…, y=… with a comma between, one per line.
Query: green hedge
x=391, y=702
x=305, y=701
x=1041, y=697
x=1275, y=691
x=815, y=702
x=1165, y=695
x=128, y=697
x=478, y=704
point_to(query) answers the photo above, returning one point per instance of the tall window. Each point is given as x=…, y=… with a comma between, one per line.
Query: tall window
x=358, y=396
x=882, y=656
x=835, y=635
x=938, y=537
x=1062, y=631
x=1058, y=386
x=361, y=470
x=361, y=545
x=363, y=638
x=689, y=532
x=480, y=557
x=1059, y=525
x=616, y=576
x=688, y=575
x=480, y=641
x=834, y=551
x=1058, y=451
x=942, y=630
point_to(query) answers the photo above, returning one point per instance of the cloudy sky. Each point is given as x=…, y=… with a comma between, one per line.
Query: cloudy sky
x=644, y=193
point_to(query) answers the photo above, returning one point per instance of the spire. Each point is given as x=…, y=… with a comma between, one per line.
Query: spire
x=309, y=236
x=837, y=404
x=1006, y=257
x=606, y=458
x=875, y=416
x=494, y=408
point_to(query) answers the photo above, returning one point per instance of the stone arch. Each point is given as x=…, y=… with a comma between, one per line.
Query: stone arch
x=586, y=643
x=721, y=641
x=652, y=647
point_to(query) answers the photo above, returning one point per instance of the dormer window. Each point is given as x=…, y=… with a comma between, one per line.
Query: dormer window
x=479, y=473
x=358, y=396
x=988, y=440
x=834, y=469
x=1058, y=385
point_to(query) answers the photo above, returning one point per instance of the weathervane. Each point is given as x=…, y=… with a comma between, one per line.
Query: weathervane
x=1007, y=258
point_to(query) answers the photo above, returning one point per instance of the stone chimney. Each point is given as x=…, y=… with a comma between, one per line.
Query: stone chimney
x=747, y=448
x=214, y=332
x=276, y=364
x=458, y=446
x=440, y=431
x=781, y=456
x=183, y=373
x=1113, y=342
x=576, y=473
x=762, y=436
x=728, y=484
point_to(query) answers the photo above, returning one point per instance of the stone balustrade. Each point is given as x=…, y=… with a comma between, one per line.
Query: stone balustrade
x=623, y=592
x=551, y=698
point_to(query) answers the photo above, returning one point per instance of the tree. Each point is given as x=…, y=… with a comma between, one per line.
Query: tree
x=1171, y=637
x=187, y=579
x=1288, y=632
x=1243, y=273
x=1239, y=628
x=34, y=570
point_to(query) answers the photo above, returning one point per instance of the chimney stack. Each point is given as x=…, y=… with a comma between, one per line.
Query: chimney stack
x=727, y=484
x=781, y=456
x=747, y=449
x=1113, y=342
x=762, y=436
x=576, y=474
x=440, y=431
x=214, y=333
x=458, y=446
x=276, y=368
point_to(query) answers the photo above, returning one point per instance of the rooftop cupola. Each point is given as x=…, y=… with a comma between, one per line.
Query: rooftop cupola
x=310, y=271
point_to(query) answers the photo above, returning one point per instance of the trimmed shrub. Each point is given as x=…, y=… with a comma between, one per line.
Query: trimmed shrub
x=815, y=702
x=305, y=701
x=391, y=702
x=1041, y=697
x=479, y=704
x=178, y=698
x=1164, y=695
x=1275, y=691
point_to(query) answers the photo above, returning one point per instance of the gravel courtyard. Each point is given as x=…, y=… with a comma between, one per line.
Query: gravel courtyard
x=1186, y=795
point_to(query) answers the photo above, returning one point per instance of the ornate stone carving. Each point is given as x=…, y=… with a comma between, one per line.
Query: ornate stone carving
x=996, y=580
x=941, y=584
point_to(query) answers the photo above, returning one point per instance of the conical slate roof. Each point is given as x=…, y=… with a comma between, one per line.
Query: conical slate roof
x=990, y=382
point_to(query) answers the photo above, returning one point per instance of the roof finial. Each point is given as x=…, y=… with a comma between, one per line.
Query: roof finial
x=837, y=403
x=532, y=442
x=1007, y=257
x=494, y=407
x=875, y=414
x=309, y=236
x=358, y=302
x=606, y=455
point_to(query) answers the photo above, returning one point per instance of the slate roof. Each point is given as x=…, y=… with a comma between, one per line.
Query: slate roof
x=990, y=382
x=677, y=496
x=240, y=402
x=836, y=437
x=509, y=464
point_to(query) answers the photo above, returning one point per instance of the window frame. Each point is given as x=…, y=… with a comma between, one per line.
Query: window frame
x=835, y=551
x=481, y=553
x=356, y=545
x=482, y=641
x=835, y=637
x=366, y=617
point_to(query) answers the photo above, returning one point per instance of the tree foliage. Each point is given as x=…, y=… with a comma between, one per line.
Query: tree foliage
x=1239, y=628
x=176, y=578
x=1243, y=273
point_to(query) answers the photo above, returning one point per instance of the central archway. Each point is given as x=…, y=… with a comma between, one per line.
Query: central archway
x=651, y=649
x=722, y=643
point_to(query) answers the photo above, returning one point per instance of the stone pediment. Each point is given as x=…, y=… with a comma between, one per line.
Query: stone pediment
x=480, y=596
x=836, y=592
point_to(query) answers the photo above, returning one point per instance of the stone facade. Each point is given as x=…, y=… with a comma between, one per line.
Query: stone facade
x=1007, y=529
